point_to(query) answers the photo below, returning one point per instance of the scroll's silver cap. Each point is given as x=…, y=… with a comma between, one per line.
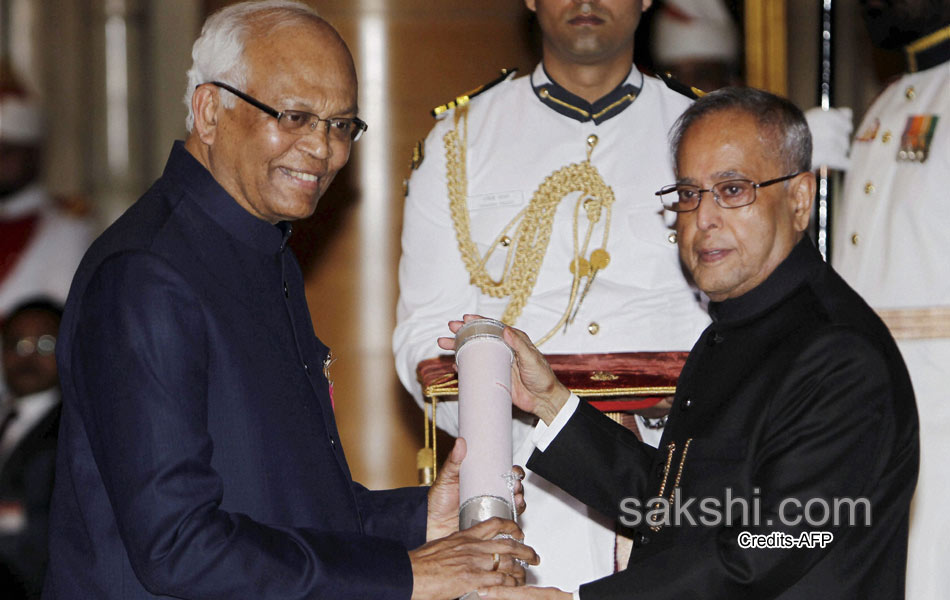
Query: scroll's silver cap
x=479, y=328
x=481, y=508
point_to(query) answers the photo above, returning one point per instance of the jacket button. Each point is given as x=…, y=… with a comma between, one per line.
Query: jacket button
x=593, y=328
x=640, y=540
x=286, y=291
x=686, y=404
x=306, y=367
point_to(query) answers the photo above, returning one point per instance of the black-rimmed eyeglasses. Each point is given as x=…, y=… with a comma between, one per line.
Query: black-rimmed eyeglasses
x=338, y=129
x=734, y=193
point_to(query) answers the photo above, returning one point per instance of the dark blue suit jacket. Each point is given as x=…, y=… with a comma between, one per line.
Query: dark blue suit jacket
x=199, y=457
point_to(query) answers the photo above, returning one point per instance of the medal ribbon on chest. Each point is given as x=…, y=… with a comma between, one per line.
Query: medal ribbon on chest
x=917, y=136
x=526, y=237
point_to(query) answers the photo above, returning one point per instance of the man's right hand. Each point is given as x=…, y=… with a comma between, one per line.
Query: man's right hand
x=534, y=388
x=452, y=566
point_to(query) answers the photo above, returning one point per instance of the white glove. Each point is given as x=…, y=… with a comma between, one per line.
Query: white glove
x=830, y=136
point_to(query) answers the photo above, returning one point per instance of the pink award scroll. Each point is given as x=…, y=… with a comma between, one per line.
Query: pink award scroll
x=484, y=375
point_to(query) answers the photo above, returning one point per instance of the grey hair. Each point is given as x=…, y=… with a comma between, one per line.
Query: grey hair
x=783, y=123
x=218, y=53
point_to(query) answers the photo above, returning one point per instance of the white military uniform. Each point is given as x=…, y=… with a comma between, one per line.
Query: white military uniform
x=518, y=133
x=49, y=260
x=890, y=243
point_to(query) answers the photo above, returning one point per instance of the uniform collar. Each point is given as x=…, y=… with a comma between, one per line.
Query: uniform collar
x=929, y=51
x=564, y=102
x=185, y=170
x=798, y=266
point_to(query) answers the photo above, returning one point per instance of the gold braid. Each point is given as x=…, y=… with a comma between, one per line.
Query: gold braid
x=531, y=227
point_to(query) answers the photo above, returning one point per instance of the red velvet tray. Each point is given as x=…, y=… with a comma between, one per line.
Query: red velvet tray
x=621, y=381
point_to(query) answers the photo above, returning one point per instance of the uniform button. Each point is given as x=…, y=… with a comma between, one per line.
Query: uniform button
x=855, y=239
x=506, y=241
x=286, y=291
x=306, y=367
x=910, y=93
x=332, y=441
x=886, y=137
x=687, y=404
x=868, y=187
x=714, y=339
x=593, y=329
x=672, y=237
x=640, y=540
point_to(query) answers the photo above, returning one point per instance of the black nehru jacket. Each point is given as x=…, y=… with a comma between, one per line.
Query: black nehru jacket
x=795, y=392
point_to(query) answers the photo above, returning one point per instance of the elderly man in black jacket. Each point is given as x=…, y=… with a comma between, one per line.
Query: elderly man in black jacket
x=789, y=461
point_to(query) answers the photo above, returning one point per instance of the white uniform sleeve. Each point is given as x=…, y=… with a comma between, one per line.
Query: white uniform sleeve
x=831, y=137
x=433, y=282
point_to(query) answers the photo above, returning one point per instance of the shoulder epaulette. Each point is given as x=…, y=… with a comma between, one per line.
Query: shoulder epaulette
x=464, y=98
x=690, y=92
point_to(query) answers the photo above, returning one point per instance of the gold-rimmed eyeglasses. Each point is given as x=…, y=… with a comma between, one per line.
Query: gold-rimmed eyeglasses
x=338, y=129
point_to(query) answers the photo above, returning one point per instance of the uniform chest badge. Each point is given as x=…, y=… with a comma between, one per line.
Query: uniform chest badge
x=916, y=139
x=869, y=132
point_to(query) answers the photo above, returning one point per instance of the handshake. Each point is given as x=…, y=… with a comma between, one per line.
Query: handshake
x=488, y=557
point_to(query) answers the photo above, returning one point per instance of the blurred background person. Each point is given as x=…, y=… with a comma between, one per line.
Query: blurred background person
x=29, y=420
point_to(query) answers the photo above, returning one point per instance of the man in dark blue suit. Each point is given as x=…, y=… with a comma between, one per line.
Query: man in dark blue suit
x=199, y=457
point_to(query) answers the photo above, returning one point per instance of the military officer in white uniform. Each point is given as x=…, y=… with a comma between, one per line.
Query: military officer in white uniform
x=535, y=204
x=891, y=242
